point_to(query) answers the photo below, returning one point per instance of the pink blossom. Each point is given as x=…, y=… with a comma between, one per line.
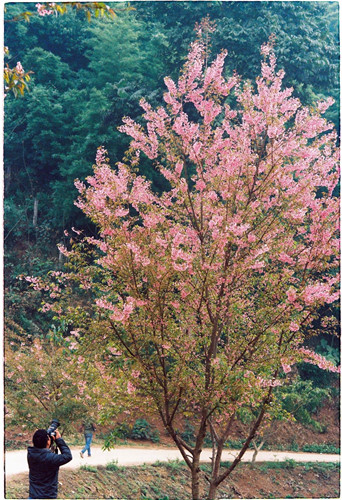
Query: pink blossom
x=319, y=292
x=316, y=359
x=266, y=49
x=291, y=295
x=19, y=69
x=42, y=11
x=200, y=185
x=63, y=250
x=286, y=367
x=294, y=327
x=179, y=167
x=115, y=351
x=130, y=388
x=80, y=186
x=324, y=105
x=101, y=155
x=121, y=212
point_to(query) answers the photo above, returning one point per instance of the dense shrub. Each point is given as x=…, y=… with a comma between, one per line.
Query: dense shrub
x=143, y=430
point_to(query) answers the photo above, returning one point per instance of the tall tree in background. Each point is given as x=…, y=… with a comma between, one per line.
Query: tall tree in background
x=307, y=38
x=211, y=287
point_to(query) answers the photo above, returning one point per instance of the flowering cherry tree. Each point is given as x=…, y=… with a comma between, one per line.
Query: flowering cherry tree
x=48, y=378
x=61, y=375
x=210, y=289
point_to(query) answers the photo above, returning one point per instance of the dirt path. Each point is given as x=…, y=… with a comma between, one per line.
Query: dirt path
x=16, y=462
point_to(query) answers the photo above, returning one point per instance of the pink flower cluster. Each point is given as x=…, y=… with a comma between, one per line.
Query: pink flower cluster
x=318, y=360
x=42, y=11
x=120, y=313
x=101, y=156
x=319, y=293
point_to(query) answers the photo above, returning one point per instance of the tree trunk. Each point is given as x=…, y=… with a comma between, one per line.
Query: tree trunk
x=218, y=479
x=8, y=178
x=60, y=259
x=35, y=212
x=195, y=479
x=212, y=491
x=256, y=449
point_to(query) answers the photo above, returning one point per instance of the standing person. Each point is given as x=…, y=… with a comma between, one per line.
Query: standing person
x=44, y=464
x=88, y=429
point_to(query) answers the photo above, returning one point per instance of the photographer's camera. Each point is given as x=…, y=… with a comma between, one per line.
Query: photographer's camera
x=52, y=428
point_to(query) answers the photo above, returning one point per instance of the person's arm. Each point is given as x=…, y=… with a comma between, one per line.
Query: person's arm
x=64, y=449
x=65, y=455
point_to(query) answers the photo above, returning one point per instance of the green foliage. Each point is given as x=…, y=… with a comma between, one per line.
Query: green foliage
x=331, y=352
x=324, y=468
x=121, y=431
x=113, y=466
x=288, y=463
x=301, y=399
x=208, y=441
x=89, y=468
x=321, y=448
x=174, y=465
x=143, y=430
x=22, y=305
x=294, y=446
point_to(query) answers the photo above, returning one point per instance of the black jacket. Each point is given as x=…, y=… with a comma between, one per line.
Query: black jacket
x=44, y=466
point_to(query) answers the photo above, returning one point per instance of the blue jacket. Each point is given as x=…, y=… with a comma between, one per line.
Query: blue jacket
x=44, y=466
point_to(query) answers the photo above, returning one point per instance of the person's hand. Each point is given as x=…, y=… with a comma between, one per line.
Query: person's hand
x=57, y=434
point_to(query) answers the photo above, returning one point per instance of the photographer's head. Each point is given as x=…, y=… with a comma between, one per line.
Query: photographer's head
x=41, y=439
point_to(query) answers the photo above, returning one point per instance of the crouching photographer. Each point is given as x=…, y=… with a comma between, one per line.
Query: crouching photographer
x=44, y=463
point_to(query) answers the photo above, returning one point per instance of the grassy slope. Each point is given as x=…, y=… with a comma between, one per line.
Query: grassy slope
x=171, y=482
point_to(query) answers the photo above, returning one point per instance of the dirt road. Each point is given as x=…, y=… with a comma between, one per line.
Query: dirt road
x=16, y=462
